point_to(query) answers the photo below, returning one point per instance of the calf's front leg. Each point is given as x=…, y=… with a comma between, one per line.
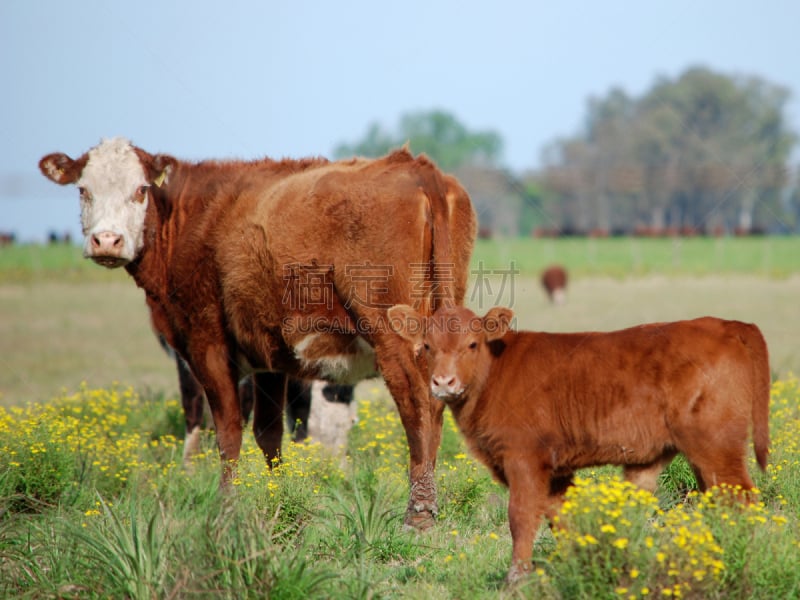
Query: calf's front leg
x=529, y=500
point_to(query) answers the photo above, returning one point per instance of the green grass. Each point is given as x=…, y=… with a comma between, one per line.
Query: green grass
x=630, y=257
x=21, y=263
x=616, y=257
x=94, y=503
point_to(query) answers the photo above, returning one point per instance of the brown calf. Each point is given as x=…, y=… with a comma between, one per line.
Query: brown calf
x=534, y=407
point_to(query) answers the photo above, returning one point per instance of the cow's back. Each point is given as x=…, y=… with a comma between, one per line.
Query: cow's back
x=325, y=251
x=368, y=222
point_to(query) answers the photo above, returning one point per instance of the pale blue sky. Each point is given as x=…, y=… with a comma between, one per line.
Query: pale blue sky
x=246, y=79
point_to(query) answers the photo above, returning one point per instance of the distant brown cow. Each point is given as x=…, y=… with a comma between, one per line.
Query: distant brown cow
x=554, y=282
x=534, y=407
x=283, y=267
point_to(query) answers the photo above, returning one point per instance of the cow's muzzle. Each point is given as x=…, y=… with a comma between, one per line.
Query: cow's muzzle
x=106, y=249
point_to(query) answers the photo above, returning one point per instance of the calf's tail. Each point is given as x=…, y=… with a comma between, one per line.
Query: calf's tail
x=759, y=354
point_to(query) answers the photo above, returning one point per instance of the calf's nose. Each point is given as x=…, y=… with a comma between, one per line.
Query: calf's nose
x=443, y=381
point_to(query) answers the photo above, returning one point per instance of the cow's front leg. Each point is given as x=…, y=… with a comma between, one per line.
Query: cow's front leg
x=219, y=377
x=410, y=392
x=270, y=398
x=192, y=399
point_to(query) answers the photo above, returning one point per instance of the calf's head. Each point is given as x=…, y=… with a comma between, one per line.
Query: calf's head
x=115, y=181
x=456, y=345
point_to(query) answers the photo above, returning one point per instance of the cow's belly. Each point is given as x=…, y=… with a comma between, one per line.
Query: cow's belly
x=337, y=358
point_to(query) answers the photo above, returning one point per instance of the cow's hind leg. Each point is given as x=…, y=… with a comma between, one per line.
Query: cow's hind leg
x=247, y=397
x=298, y=408
x=270, y=397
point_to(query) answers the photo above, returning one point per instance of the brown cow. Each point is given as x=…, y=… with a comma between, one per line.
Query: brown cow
x=283, y=267
x=534, y=407
x=554, y=282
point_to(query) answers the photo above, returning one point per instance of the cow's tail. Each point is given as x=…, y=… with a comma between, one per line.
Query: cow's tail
x=759, y=355
x=451, y=215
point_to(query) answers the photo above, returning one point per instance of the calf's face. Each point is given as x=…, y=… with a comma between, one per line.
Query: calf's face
x=455, y=343
x=115, y=181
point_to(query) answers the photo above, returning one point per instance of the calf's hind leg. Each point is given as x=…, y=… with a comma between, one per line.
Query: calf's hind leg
x=721, y=469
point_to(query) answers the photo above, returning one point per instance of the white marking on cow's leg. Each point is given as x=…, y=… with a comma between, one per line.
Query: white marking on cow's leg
x=191, y=446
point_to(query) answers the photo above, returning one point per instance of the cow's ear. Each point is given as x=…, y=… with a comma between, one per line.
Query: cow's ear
x=161, y=165
x=497, y=322
x=61, y=168
x=406, y=322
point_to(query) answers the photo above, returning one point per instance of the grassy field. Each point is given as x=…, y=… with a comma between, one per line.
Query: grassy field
x=633, y=257
x=611, y=257
x=64, y=320
x=94, y=501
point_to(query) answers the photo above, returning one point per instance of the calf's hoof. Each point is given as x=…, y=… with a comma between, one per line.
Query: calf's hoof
x=518, y=572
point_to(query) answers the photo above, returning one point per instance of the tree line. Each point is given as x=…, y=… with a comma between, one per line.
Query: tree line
x=702, y=153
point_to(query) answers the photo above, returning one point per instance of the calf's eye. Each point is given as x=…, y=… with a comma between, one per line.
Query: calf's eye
x=473, y=345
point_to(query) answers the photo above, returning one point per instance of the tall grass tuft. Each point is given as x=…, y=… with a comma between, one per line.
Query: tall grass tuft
x=130, y=549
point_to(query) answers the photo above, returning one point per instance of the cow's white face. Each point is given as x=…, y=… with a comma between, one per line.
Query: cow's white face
x=114, y=195
x=114, y=192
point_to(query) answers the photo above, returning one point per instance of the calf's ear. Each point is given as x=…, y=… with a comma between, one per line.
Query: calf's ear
x=497, y=322
x=406, y=322
x=61, y=168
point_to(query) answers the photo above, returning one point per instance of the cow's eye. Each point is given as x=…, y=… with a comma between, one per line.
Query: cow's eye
x=141, y=193
x=85, y=195
x=473, y=345
x=426, y=346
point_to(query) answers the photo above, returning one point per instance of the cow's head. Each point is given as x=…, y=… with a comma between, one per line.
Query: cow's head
x=456, y=344
x=115, y=181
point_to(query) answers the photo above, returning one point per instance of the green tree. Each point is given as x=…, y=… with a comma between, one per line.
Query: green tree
x=703, y=151
x=437, y=133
